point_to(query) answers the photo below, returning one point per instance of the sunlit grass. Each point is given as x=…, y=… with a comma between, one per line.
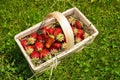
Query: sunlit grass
x=99, y=61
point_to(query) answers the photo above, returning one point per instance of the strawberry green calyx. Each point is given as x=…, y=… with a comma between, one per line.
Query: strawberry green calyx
x=71, y=20
x=60, y=37
x=29, y=49
x=77, y=40
x=39, y=49
x=35, y=60
x=31, y=40
x=75, y=31
x=64, y=45
x=52, y=36
x=86, y=35
x=47, y=57
x=53, y=51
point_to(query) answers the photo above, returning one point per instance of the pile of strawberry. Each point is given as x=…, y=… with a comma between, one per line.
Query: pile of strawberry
x=50, y=40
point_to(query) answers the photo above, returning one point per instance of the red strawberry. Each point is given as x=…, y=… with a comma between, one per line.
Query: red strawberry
x=57, y=45
x=44, y=36
x=60, y=37
x=32, y=39
x=29, y=49
x=44, y=30
x=43, y=53
x=34, y=35
x=24, y=42
x=78, y=38
x=50, y=30
x=39, y=46
x=82, y=37
x=64, y=39
x=57, y=31
x=52, y=48
x=78, y=24
x=39, y=38
x=80, y=32
x=49, y=42
x=34, y=54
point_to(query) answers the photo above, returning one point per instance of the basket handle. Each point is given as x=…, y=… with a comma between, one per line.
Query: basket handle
x=67, y=30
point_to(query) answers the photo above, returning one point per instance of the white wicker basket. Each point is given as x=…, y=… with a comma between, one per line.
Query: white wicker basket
x=68, y=34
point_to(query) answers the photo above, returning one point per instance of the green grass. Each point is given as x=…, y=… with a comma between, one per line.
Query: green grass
x=98, y=61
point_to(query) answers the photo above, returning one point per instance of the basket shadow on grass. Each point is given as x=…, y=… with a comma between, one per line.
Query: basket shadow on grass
x=21, y=65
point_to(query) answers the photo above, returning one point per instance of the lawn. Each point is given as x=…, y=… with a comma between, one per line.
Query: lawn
x=98, y=61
